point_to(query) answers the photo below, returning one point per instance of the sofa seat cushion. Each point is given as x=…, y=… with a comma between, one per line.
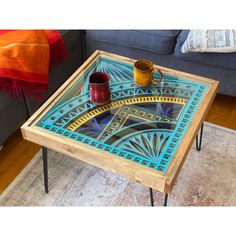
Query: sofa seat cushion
x=5, y=99
x=158, y=41
x=223, y=60
x=71, y=38
x=12, y=114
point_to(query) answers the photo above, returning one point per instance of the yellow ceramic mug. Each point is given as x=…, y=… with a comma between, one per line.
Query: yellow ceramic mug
x=143, y=73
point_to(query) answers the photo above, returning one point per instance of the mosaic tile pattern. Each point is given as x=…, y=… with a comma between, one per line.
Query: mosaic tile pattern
x=144, y=125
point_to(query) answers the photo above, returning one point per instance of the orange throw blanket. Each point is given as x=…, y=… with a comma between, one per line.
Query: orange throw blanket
x=25, y=56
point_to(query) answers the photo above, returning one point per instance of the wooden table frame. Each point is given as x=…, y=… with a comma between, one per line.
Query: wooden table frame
x=154, y=179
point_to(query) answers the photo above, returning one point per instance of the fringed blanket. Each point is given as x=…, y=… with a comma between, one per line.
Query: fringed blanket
x=25, y=56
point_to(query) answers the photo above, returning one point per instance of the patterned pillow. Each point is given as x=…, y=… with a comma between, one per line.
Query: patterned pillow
x=222, y=41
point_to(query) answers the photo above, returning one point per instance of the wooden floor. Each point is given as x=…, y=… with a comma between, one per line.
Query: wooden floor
x=14, y=156
x=16, y=152
x=223, y=111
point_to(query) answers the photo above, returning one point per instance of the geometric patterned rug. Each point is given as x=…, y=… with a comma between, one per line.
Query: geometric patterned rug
x=208, y=178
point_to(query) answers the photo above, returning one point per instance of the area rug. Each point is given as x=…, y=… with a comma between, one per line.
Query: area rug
x=208, y=178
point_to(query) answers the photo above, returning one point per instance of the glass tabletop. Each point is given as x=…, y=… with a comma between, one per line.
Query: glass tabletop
x=142, y=124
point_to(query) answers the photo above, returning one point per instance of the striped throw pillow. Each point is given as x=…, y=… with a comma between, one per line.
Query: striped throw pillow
x=222, y=41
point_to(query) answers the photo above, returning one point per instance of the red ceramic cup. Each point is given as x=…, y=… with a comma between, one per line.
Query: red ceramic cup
x=99, y=88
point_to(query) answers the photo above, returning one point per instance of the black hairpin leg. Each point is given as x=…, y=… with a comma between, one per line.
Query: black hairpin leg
x=151, y=198
x=199, y=140
x=165, y=201
x=45, y=167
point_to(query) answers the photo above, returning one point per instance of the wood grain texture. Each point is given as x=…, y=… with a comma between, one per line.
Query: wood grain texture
x=147, y=176
x=96, y=157
x=14, y=156
x=223, y=111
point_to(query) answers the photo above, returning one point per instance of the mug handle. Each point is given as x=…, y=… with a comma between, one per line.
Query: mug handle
x=154, y=81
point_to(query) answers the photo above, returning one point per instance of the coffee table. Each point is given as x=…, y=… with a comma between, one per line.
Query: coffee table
x=144, y=133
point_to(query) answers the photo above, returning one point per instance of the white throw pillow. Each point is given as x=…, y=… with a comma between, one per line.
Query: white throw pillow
x=222, y=41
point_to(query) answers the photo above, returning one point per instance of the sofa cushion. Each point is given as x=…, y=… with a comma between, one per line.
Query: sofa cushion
x=12, y=114
x=71, y=38
x=158, y=41
x=217, y=41
x=227, y=60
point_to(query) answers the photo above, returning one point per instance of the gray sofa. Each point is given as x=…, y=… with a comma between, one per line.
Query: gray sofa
x=163, y=48
x=160, y=46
